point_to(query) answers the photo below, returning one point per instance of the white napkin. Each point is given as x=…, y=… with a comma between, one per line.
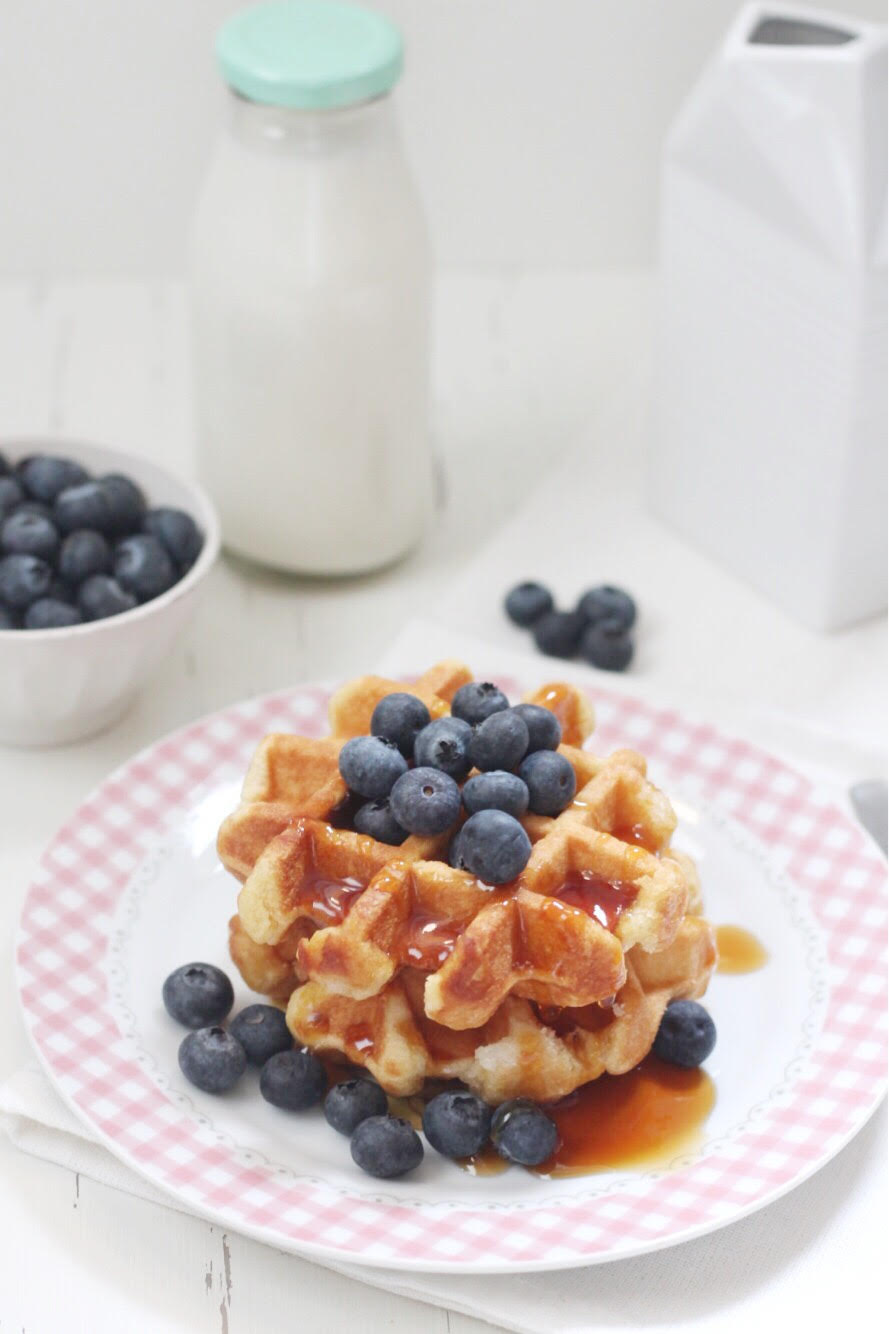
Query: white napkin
x=781, y=1260
x=785, y=1257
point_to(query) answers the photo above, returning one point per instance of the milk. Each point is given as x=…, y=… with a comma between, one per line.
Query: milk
x=310, y=306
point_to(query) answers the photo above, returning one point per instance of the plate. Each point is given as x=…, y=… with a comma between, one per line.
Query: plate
x=130, y=888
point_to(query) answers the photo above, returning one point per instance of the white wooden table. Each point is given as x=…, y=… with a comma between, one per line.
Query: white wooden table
x=523, y=367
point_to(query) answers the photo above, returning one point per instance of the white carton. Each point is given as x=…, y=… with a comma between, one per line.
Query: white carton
x=769, y=423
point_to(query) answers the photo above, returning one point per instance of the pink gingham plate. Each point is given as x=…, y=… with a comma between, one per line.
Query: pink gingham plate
x=129, y=888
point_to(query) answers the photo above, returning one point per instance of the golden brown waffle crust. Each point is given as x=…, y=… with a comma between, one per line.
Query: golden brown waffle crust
x=510, y=959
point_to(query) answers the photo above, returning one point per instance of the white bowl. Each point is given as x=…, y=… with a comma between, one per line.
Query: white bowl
x=61, y=685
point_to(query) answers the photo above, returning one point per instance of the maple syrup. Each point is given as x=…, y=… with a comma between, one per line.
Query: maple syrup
x=427, y=942
x=486, y=1163
x=643, y=1118
x=739, y=950
x=564, y=1019
x=360, y=1038
x=637, y=834
x=328, y=899
x=602, y=899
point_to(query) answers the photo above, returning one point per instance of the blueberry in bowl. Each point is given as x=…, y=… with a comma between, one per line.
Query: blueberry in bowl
x=103, y=557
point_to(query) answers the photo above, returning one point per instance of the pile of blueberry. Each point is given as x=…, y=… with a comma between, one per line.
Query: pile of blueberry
x=456, y=1123
x=598, y=628
x=408, y=775
x=77, y=548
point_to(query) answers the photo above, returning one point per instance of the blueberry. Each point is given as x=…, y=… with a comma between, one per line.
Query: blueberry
x=425, y=801
x=495, y=791
x=84, y=552
x=457, y=1124
x=197, y=994
x=476, y=701
x=51, y=614
x=386, y=1146
x=444, y=745
x=370, y=766
x=126, y=502
x=44, y=475
x=101, y=596
x=493, y=846
x=377, y=820
x=262, y=1031
x=608, y=645
x=527, y=602
x=558, y=633
x=85, y=506
x=23, y=579
x=35, y=507
x=11, y=495
x=353, y=1101
x=29, y=535
x=500, y=742
x=454, y=856
x=399, y=718
x=143, y=568
x=178, y=532
x=8, y=619
x=293, y=1080
x=551, y=782
x=607, y=603
x=686, y=1036
x=544, y=728
x=59, y=591
x=212, y=1059
x=523, y=1133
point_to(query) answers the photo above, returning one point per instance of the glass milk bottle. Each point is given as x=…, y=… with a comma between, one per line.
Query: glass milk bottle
x=310, y=297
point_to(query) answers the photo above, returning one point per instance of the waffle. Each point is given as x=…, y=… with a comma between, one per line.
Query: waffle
x=294, y=776
x=291, y=778
x=524, y=1050
x=395, y=960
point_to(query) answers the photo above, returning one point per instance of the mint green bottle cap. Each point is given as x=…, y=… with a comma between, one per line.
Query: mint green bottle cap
x=309, y=53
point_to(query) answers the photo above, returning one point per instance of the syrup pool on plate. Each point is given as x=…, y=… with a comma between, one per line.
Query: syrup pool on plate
x=739, y=951
x=644, y=1118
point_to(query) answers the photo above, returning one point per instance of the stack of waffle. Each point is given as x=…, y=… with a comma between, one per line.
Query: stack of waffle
x=397, y=962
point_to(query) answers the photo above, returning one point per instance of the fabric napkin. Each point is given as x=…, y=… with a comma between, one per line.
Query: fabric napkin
x=762, y=1267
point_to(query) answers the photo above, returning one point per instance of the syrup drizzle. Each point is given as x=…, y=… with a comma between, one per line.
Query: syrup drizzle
x=637, y=834
x=602, y=899
x=561, y=700
x=328, y=898
x=426, y=942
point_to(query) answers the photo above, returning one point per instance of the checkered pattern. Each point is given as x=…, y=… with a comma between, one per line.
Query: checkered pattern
x=64, y=936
